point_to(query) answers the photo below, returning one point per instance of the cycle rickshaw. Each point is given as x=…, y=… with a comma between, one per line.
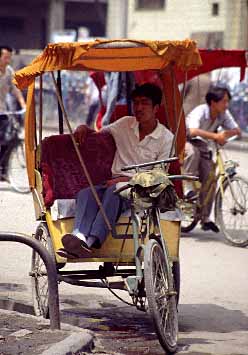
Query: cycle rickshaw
x=141, y=253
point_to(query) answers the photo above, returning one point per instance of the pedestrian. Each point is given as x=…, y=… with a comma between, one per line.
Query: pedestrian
x=139, y=139
x=6, y=87
x=202, y=126
x=6, y=77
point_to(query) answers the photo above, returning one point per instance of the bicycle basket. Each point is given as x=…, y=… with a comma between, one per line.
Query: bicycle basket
x=153, y=189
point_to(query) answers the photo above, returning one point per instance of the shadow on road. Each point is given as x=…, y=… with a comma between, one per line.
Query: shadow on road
x=205, y=237
x=131, y=330
x=211, y=318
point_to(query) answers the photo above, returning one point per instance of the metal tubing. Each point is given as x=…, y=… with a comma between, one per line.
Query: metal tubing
x=135, y=224
x=53, y=297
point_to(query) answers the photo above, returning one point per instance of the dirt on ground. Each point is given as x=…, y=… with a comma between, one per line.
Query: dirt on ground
x=19, y=335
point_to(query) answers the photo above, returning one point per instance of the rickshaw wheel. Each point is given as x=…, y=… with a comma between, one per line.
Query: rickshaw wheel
x=162, y=305
x=39, y=279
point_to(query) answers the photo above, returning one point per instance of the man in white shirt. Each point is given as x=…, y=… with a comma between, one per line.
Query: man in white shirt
x=138, y=139
x=6, y=87
x=6, y=76
x=202, y=124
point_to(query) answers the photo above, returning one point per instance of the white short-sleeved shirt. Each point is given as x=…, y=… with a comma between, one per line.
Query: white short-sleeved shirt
x=200, y=118
x=6, y=86
x=130, y=150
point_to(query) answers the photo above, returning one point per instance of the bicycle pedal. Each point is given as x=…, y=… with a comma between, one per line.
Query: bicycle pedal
x=191, y=196
x=172, y=293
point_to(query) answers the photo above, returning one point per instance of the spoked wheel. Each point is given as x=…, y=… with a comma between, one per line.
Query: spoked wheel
x=38, y=272
x=231, y=210
x=17, y=172
x=160, y=295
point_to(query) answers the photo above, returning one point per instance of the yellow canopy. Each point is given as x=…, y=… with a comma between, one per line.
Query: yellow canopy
x=110, y=55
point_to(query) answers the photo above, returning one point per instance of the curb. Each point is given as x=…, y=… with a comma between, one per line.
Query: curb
x=76, y=340
x=73, y=344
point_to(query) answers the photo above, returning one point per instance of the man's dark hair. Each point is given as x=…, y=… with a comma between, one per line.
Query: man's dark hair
x=216, y=93
x=7, y=48
x=149, y=90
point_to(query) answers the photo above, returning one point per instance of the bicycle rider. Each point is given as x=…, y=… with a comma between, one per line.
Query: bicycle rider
x=6, y=87
x=202, y=124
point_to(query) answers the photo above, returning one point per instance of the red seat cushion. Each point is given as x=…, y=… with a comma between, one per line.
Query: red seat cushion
x=62, y=175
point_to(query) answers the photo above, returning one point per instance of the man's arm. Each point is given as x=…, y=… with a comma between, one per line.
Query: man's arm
x=219, y=137
x=82, y=131
x=20, y=98
x=18, y=94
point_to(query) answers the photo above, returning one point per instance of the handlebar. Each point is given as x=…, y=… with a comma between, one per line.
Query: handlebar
x=171, y=177
x=228, y=140
x=153, y=163
x=233, y=138
x=18, y=112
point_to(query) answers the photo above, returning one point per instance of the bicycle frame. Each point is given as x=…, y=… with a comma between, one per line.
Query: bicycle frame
x=152, y=216
x=219, y=174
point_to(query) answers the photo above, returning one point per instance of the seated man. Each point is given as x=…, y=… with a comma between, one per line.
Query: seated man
x=139, y=139
x=202, y=124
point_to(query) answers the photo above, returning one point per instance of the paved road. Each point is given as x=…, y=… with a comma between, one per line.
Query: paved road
x=213, y=311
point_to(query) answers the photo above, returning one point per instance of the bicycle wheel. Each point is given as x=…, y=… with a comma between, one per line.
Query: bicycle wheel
x=161, y=302
x=38, y=272
x=231, y=210
x=17, y=172
x=190, y=218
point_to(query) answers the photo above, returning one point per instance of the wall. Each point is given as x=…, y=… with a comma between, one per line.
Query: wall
x=176, y=21
x=189, y=19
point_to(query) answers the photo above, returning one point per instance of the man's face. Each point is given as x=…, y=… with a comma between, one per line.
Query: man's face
x=5, y=57
x=143, y=109
x=222, y=105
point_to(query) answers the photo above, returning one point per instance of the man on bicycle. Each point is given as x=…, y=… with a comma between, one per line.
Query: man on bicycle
x=6, y=87
x=139, y=139
x=202, y=125
x=6, y=76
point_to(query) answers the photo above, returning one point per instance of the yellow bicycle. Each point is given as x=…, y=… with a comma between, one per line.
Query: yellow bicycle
x=230, y=205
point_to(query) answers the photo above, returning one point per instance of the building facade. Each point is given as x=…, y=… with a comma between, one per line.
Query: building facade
x=31, y=24
x=213, y=23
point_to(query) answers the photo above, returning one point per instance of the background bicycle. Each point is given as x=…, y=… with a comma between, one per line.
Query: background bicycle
x=230, y=205
x=12, y=155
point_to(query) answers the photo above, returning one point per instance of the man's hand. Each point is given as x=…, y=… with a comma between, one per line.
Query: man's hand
x=221, y=137
x=113, y=181
x=80, y=134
